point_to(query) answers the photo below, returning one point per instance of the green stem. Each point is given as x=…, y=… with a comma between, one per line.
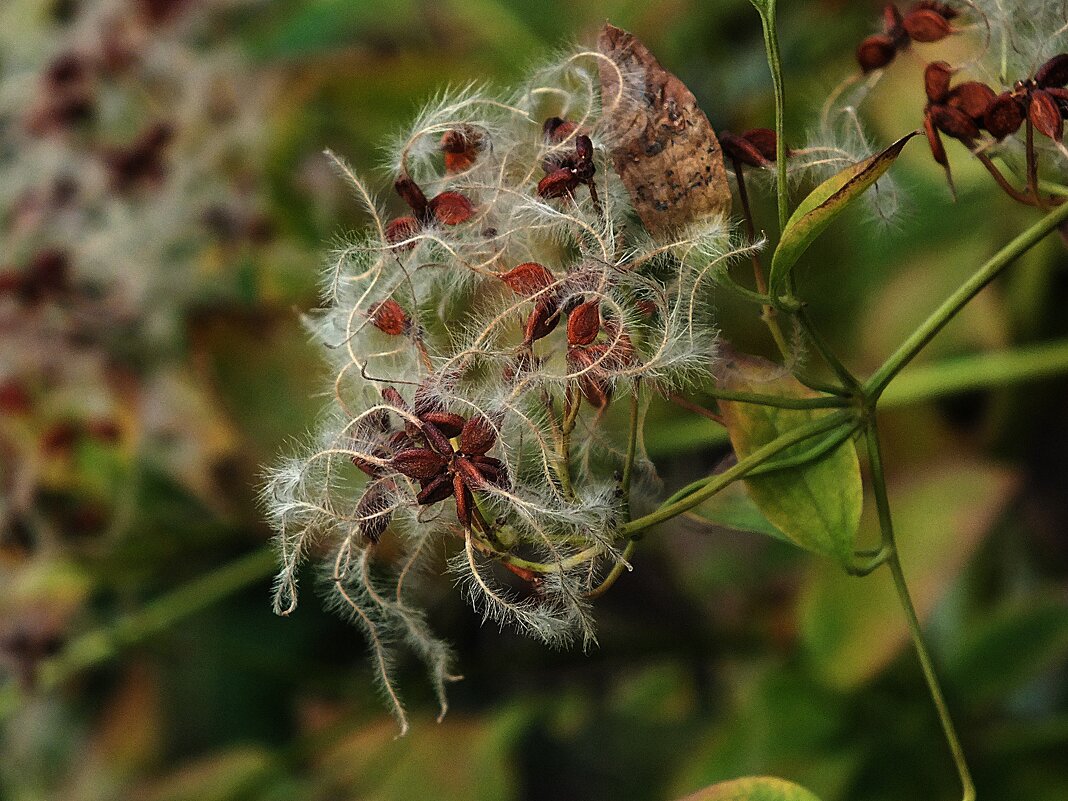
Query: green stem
x=825, y=351
x=886, y=525
x=102, y=644
x=955, y=302
x=744, y=466
x=779, y=402
x=767, y=11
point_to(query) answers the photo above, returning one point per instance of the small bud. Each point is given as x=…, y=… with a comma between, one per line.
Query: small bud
x=973, y=98
x=451, y=208
x=390, y=318
x=875, y=52
x=584, y=323
x=936, y=79
x=528, y=278
x=1045, y=115
x=1004, y=117
x=1053, y=73
x=926, y=25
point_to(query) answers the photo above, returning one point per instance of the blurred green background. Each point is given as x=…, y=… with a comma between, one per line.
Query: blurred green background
x=141, y=657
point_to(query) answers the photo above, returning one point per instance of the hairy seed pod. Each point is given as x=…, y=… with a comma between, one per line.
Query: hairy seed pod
x=741, y=150
x=421, y=464
x=925, y=25
x=558, y=183
x=954, y=122
x=542, y=320
x=875, y=52
x=477, y=436
x=447, y=423
x=973, y=98
x=1053, y=73
x=1045, y=115
x=1004, y=117
x=400, y=230
x=436, y=490
x=584, y=323
x=451, y=208
x=389, y=318
x=527, y=279
x=373, y=511
x=936, y=79
x=411, y=194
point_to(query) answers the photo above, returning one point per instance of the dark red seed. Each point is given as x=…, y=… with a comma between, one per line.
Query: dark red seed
x=926, y=25
x=741, y=150
x=596, y=390
x=1045, y=115
x=421, y=464
x=467, y=469
x=437, y=440
x=478, y=436
x=1053, y=73
x=584, y=323
x=452, y=208
x=954, y=122
x=400, y=230
x=1004, y=117
x=447, y=423
x=390, y=318
x=764, y=140
x=461, y=147
x=411, y=194
x=436, y=490
x=558, y=183
x=464, y=500
x=891, y=20
x=936, y=79
x=373, y=511
x=542, y=320
x=393, y=398
x=942, y=9
x=556, y=130
x=938, y=150
x=528, y=278
x=973, y=98
x=875, y=52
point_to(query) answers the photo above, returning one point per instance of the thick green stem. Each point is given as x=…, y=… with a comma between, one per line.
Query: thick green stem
x=744, y=466
x=882, y=504
x=919, y=339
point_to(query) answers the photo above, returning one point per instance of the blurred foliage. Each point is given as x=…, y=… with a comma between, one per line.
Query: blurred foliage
x=722, y=654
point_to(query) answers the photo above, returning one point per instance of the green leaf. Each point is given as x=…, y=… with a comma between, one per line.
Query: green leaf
x=851, y=628
x=733, y=508
x=822, y=205
x=816, y=505
x=753, y=788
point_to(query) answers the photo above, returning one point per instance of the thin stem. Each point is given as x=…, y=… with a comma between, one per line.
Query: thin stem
x=919, y=339
x=886, y=526
x=614, y=573
x=1032, y=163
x=744, y=466
x=776, y=401
x=825, y=351
x=767, y=10
x=632, y=447
x=1003, y=182
x=768, y=312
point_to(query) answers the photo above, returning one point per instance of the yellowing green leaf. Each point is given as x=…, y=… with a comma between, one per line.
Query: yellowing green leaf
x=822, y=205
x=753, y=788
x=852, y=628
x=817, y=504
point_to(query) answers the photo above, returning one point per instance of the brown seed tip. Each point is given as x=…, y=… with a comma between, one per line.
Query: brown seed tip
x=926, y=25
x=875, y=52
